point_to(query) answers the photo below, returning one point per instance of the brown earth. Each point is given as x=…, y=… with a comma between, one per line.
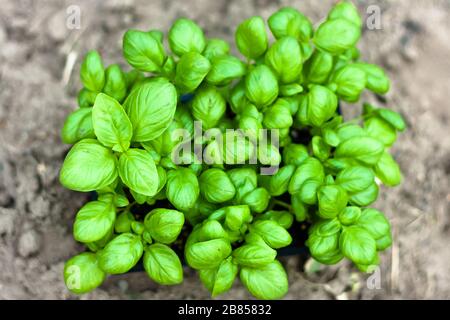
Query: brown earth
x=38, y=89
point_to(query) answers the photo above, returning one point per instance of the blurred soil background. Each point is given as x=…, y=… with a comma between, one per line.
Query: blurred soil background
x=39, y=65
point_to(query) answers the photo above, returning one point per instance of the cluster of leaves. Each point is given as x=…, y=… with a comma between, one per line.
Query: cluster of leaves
x=123, y=147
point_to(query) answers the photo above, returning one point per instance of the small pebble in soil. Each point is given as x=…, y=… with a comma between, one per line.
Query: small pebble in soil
x=40, y=207
x=3, y=35
x=7, y=221
x=56, y=26
x=123, y=285
x=29, y=243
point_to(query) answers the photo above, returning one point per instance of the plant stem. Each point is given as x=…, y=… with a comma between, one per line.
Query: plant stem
x=282, y=204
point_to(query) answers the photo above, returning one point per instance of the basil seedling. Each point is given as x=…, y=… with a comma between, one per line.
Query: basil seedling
x=178, y=140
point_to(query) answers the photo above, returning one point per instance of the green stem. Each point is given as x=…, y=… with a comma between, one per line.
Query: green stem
x=282, y=204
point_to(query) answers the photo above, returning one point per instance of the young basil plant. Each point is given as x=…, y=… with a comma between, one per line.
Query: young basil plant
x=157, y=199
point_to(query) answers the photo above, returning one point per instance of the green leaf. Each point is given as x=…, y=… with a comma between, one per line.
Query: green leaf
x=236, y=216
x=254, y=255
x=257, y=200
x=138, y=171
x=216, y=48
x=163, y=265
x=369, y=268
x=137, y=227
x=393, y=118
x=211, y=229
x=309, y=169
x=377, y=80
x=349, y=215
x=219, y=280
x=251, y=37
x=182, y=188
x=299, y=208
x=325, y=228
x=86, y=98
x=332, y=200
x=388, y=170
x=213, y=153
x=320, y=149
x=120, y=200
x=318, y=68
x=307, y=51
x=364, y=149
x=291, y=90
x=273, y=234
x=375, y=223
x=164, y=225
x=224, y=69
x=92, y=73
x=115, y=83
x=78, y=126
x=253, y=238
x=308, y=191
x=186, y=36
x=244, y=181
x=284, y=57
x=350, y=81
x=261, y=86
x=250, y=126
x=237, y=98
x=133, y=77
x=183, y=116
x=111, y=124
x=290, y=22
x=143, y=51
x=216, y=186
x=207, y=254
x=365, y=197
x=279, y=182
x=269, y=282
x=283, y=218
x=357, y=245
x=337, y=35
x=345, y=10
x=82, y=274
x=317, y=106
x=269, y=155
x=168, y=144
x=147, y=238
x=250, y=110
x=278, y=115
x=381, y=130
x=168, y=68
x=355, y=178
x=162, y=178
x=151, y=108
x=323, y=245
x=237, y=148
x=88, y=166
x=123, y=222
x=191, y=70
x=157, y=35
x=295, y=154
x=208, y=106
x=347, y=131
x=121, y=254
x=331, y=258
x=93, y=221
x=384, y=242
x=105, y=195
x=330, y=137
x=140, y=198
